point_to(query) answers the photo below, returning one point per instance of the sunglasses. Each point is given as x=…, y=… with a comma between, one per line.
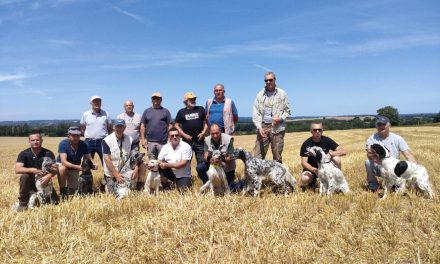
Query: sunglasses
x=268, y=80
x=317, y=130
x=174, y=135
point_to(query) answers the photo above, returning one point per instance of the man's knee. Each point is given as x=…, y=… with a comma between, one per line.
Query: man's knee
x=306, y=177
x=337, y=161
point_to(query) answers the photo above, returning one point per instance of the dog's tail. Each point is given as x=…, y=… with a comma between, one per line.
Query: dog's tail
x=288, y=177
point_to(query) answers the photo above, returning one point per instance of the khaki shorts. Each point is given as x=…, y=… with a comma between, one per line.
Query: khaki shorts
x=72, y=179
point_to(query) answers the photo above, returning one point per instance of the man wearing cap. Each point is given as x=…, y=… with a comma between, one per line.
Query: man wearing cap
x=270, y=111
x=393, y=142
x=221, y=111
x=70, y=153
x=96, y=125
x=155, y=123
x=132, y=122
x=309, y=163
x=116, y=148
x=191, y=124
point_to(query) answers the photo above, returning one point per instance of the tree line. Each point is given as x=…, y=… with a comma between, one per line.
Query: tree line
x=247, y=127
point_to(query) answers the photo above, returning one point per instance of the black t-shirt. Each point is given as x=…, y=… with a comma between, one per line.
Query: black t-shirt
x=191, y=120
x=326, y=144
x=30, y=161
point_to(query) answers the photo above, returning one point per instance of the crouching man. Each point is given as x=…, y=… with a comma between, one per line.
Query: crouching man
x=175, y=162
x=116, y=148
x=70, y=153
x=29, y=164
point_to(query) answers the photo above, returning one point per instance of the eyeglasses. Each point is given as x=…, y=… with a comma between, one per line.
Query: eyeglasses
x=317, y=130
x=174, y=135
x=268, y=80
x=380, y=124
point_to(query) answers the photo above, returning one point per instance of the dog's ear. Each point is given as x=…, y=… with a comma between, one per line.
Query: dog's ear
x=400, y=168
x=318, y=156
x=380, y=150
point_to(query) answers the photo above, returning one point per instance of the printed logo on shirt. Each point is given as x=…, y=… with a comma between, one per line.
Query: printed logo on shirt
x=192, y=116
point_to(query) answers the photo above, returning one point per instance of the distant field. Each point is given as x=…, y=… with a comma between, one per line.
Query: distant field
x=302, y=228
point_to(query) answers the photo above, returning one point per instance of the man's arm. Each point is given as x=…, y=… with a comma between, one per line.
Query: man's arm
x=409, y=156
x=176, y=165
x=181, y=132
x=307, y=166
x=20, y=169
x=338, y=152
x=142, y=134
x=115, y=173
x=67, y=164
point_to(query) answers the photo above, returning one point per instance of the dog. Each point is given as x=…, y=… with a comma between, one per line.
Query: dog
x=258, y=170
x=45, y=193
x=153, y=183
x=135, y=159
x=217, y=181
x=85, y=180
x=401, y=174
x=331, y=178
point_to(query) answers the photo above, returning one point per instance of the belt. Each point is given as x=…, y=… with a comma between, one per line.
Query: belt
x=267, y=124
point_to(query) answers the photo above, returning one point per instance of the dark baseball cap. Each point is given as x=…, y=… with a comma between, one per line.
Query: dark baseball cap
x=119, y=122
x=382, y=120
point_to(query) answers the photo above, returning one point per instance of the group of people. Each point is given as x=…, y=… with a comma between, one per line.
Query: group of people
x=195, y=129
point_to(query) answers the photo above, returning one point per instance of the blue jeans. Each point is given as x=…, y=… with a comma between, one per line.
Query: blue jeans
x=372, y=171
x=94, y=146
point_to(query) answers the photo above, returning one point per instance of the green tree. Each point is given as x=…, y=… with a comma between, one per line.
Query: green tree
x=390, y=112
x=437, y=118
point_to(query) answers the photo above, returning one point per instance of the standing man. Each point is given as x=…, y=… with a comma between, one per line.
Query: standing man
x=225, y=143
x=132, y=122
x=191, y=124
x=175, y=161
x=96, y=125
x=28, y=164
x=309, y=163
x=393, y=142
x=70, y=153
x=221, y=111
x=155, y=123
x=116, y=148
x=270, y=111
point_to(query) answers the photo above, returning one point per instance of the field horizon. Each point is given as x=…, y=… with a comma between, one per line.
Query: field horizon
x=191, y=228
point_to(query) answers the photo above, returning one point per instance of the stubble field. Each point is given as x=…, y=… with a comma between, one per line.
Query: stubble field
x=301, y=228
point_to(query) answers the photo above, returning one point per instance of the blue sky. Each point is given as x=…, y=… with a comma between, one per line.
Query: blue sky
x=332, y=57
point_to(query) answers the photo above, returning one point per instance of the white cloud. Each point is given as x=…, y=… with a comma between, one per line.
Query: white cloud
x=131, y=15
x=262, y=67
x=61, y=42
x=13, y=77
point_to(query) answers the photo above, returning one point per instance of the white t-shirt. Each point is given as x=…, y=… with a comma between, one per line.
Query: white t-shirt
x=183, y=151
x=394, y=143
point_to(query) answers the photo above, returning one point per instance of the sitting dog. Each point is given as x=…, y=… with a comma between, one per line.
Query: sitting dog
x=217, y=181
x=330, y=177
x=258, y=170
x=153, y=183
x=401, y=173
x=135, y=159
x=45, y=193
x=85, y=180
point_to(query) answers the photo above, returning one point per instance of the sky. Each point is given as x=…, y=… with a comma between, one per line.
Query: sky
x=331, y=57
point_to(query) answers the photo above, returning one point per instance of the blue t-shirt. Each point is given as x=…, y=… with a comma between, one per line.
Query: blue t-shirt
x=216, y=113
x=72, y=157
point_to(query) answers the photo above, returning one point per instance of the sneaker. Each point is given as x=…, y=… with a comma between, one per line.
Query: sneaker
x=19, y=208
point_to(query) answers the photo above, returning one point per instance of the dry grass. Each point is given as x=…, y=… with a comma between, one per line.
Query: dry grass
x=302, y=228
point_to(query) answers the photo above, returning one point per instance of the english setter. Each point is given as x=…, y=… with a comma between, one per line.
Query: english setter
x=331, y=178
x=85, y=180
x=401, y=173
x=44, y=194
x=217, y=181
x=153, y=183
x=135, y=159
x=258, y=170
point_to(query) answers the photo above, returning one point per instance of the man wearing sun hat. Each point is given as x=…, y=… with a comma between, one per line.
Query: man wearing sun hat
x=191, y=124
x=155, y=123
x=393, y=142
x=96, y=125
x=70, y=153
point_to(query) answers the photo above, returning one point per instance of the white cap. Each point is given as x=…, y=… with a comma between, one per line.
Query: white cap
x=94, y=98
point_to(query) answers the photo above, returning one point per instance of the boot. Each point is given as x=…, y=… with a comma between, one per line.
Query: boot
x=140, y=186
x=64, y=193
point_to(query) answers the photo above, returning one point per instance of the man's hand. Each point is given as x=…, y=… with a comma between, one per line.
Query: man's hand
x=262, y=134
x=276, y=120
x=187, y=137
x=200, y=136
x=163, y=165
x=144, y=143
x=314, y=171
x=119, y=178
x=45, y=179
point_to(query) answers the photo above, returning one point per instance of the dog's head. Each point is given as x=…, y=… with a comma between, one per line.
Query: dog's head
x=318, y=153
x=136, y=158
x=241, y=153
x=87, y=165
x=380, y=150
x=153, y=165
x=48, y=165
x=216, y=157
